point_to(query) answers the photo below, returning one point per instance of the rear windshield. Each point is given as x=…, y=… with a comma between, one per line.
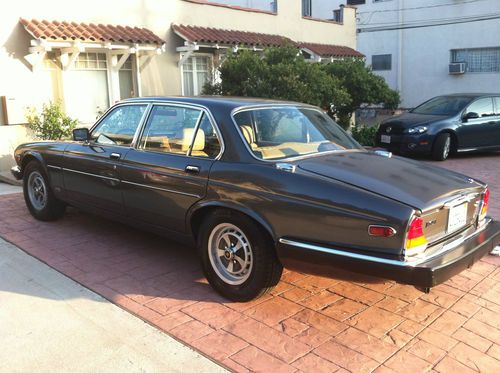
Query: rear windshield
x=444, y=105
x=284, y=132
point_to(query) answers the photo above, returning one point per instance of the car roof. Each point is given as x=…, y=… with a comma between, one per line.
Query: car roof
x=472, y=95
x=208, y=101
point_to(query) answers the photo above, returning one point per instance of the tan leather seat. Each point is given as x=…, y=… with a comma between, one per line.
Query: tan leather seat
x=199, y=142
x=249, y=134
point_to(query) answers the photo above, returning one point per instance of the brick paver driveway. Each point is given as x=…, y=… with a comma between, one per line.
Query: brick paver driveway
x=309, y=323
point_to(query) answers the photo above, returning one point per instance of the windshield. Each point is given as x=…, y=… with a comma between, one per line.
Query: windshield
x=444, y=105
x=284, y=132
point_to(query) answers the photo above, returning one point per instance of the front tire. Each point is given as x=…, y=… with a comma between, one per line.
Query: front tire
x=238, y=257
x=38, y=195
x=442, y=147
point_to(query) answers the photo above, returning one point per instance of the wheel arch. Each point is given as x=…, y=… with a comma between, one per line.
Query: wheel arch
x=197, y=214
x=453, y=137
x=32, y=156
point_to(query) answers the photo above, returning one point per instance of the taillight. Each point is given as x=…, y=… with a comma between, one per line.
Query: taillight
x=484, y=204
x=415, y=238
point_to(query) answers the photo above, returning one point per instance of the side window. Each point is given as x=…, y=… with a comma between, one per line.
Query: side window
x=482, y=107
x=497, y=105
x=119, y=126
x=170, y=129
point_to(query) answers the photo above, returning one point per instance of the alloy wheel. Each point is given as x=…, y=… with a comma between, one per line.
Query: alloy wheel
x=230, y=254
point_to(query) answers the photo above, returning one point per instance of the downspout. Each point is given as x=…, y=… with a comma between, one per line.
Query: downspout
x=400, y=48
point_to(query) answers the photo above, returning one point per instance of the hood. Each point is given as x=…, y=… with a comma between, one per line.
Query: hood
x=408, y=120
x=413, y=183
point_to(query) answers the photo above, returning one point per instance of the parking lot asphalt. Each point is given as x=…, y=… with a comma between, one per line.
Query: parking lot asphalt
x=309, y=323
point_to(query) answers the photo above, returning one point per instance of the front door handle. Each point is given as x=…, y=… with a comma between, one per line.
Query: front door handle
x=192, y=169
x=115, y=156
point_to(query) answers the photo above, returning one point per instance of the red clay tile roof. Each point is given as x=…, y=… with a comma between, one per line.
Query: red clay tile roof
x=89, y=32
x=328, y=50
x=197, y=34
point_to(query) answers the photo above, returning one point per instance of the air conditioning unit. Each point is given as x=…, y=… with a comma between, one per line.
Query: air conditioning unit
x=457, y=68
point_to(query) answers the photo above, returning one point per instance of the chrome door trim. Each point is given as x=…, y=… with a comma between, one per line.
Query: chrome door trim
x=54, y=167
x=89, y=174
x=161, y=189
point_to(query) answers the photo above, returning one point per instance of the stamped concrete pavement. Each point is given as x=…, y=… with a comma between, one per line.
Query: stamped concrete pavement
x=49, y=323
x=308, y=323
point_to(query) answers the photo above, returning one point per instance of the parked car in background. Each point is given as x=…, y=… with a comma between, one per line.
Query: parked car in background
x=259, y=184
x=444, y=125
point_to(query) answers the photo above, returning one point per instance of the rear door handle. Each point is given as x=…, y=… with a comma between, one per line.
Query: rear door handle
x=192, y=169
x=115, y=156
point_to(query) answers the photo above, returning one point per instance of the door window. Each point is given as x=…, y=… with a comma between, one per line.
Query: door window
x=119, y=126
x=483, y=107
x=171, y=129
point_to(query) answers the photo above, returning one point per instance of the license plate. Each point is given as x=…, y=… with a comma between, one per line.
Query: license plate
x=457, y=217
x=385, y=139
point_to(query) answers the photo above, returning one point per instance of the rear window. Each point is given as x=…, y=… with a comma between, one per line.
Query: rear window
x=284, y=132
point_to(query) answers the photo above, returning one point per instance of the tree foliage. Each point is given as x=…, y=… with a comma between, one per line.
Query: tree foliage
x=283, y=73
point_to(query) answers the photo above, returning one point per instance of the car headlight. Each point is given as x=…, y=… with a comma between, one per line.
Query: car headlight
x=419, y=129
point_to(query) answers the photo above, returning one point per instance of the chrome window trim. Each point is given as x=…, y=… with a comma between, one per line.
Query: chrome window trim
x=110, y=110
x=161, y=189
x=409, y=263
x=202, y=108
x=241, y=109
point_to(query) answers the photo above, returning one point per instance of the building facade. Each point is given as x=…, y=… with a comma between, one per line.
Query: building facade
x=90, y=56
x=411, y=43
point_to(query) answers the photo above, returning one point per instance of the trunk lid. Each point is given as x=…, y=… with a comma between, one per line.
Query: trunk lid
x=413, y=183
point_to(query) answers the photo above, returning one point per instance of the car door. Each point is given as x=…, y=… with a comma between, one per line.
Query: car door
x=474, y=132
x=167, y=172
x=91, y=172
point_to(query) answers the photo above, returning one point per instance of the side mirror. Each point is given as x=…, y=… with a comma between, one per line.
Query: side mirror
x=81, y=134
x=471, y=115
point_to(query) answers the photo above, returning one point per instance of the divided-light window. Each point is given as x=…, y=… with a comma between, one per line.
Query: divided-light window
x=478, y=60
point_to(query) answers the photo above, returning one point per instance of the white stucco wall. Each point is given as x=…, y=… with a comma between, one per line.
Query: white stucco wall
x=161, y=76
x=420, y=60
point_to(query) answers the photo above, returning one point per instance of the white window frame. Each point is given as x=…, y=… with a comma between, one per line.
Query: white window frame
x=195, y=81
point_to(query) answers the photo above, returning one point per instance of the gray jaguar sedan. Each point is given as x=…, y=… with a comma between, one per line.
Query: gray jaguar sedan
x=257, y=185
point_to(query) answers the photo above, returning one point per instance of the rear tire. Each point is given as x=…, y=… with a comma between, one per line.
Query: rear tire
x=442, y=147
x=38, y=195
x=238, y=257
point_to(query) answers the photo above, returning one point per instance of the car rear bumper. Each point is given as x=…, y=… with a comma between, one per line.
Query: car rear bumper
x=320, y=259
x=16, y=172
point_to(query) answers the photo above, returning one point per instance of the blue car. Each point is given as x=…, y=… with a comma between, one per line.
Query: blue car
x=445, y=125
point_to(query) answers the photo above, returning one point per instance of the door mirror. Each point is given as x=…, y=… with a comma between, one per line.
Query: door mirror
x=471, y=115
x=81, y=134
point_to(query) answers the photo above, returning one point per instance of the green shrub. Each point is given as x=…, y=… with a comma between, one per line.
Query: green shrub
x=52, y=123
x=339, y=87
x=366, y=136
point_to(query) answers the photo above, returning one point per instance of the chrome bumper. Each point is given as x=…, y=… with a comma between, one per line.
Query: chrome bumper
x=16, y=172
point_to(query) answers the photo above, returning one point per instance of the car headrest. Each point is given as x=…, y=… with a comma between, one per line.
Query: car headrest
x=248, y=132
x=187, y=137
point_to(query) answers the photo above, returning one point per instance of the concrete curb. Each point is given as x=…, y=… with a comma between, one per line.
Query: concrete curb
x=6, y=177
